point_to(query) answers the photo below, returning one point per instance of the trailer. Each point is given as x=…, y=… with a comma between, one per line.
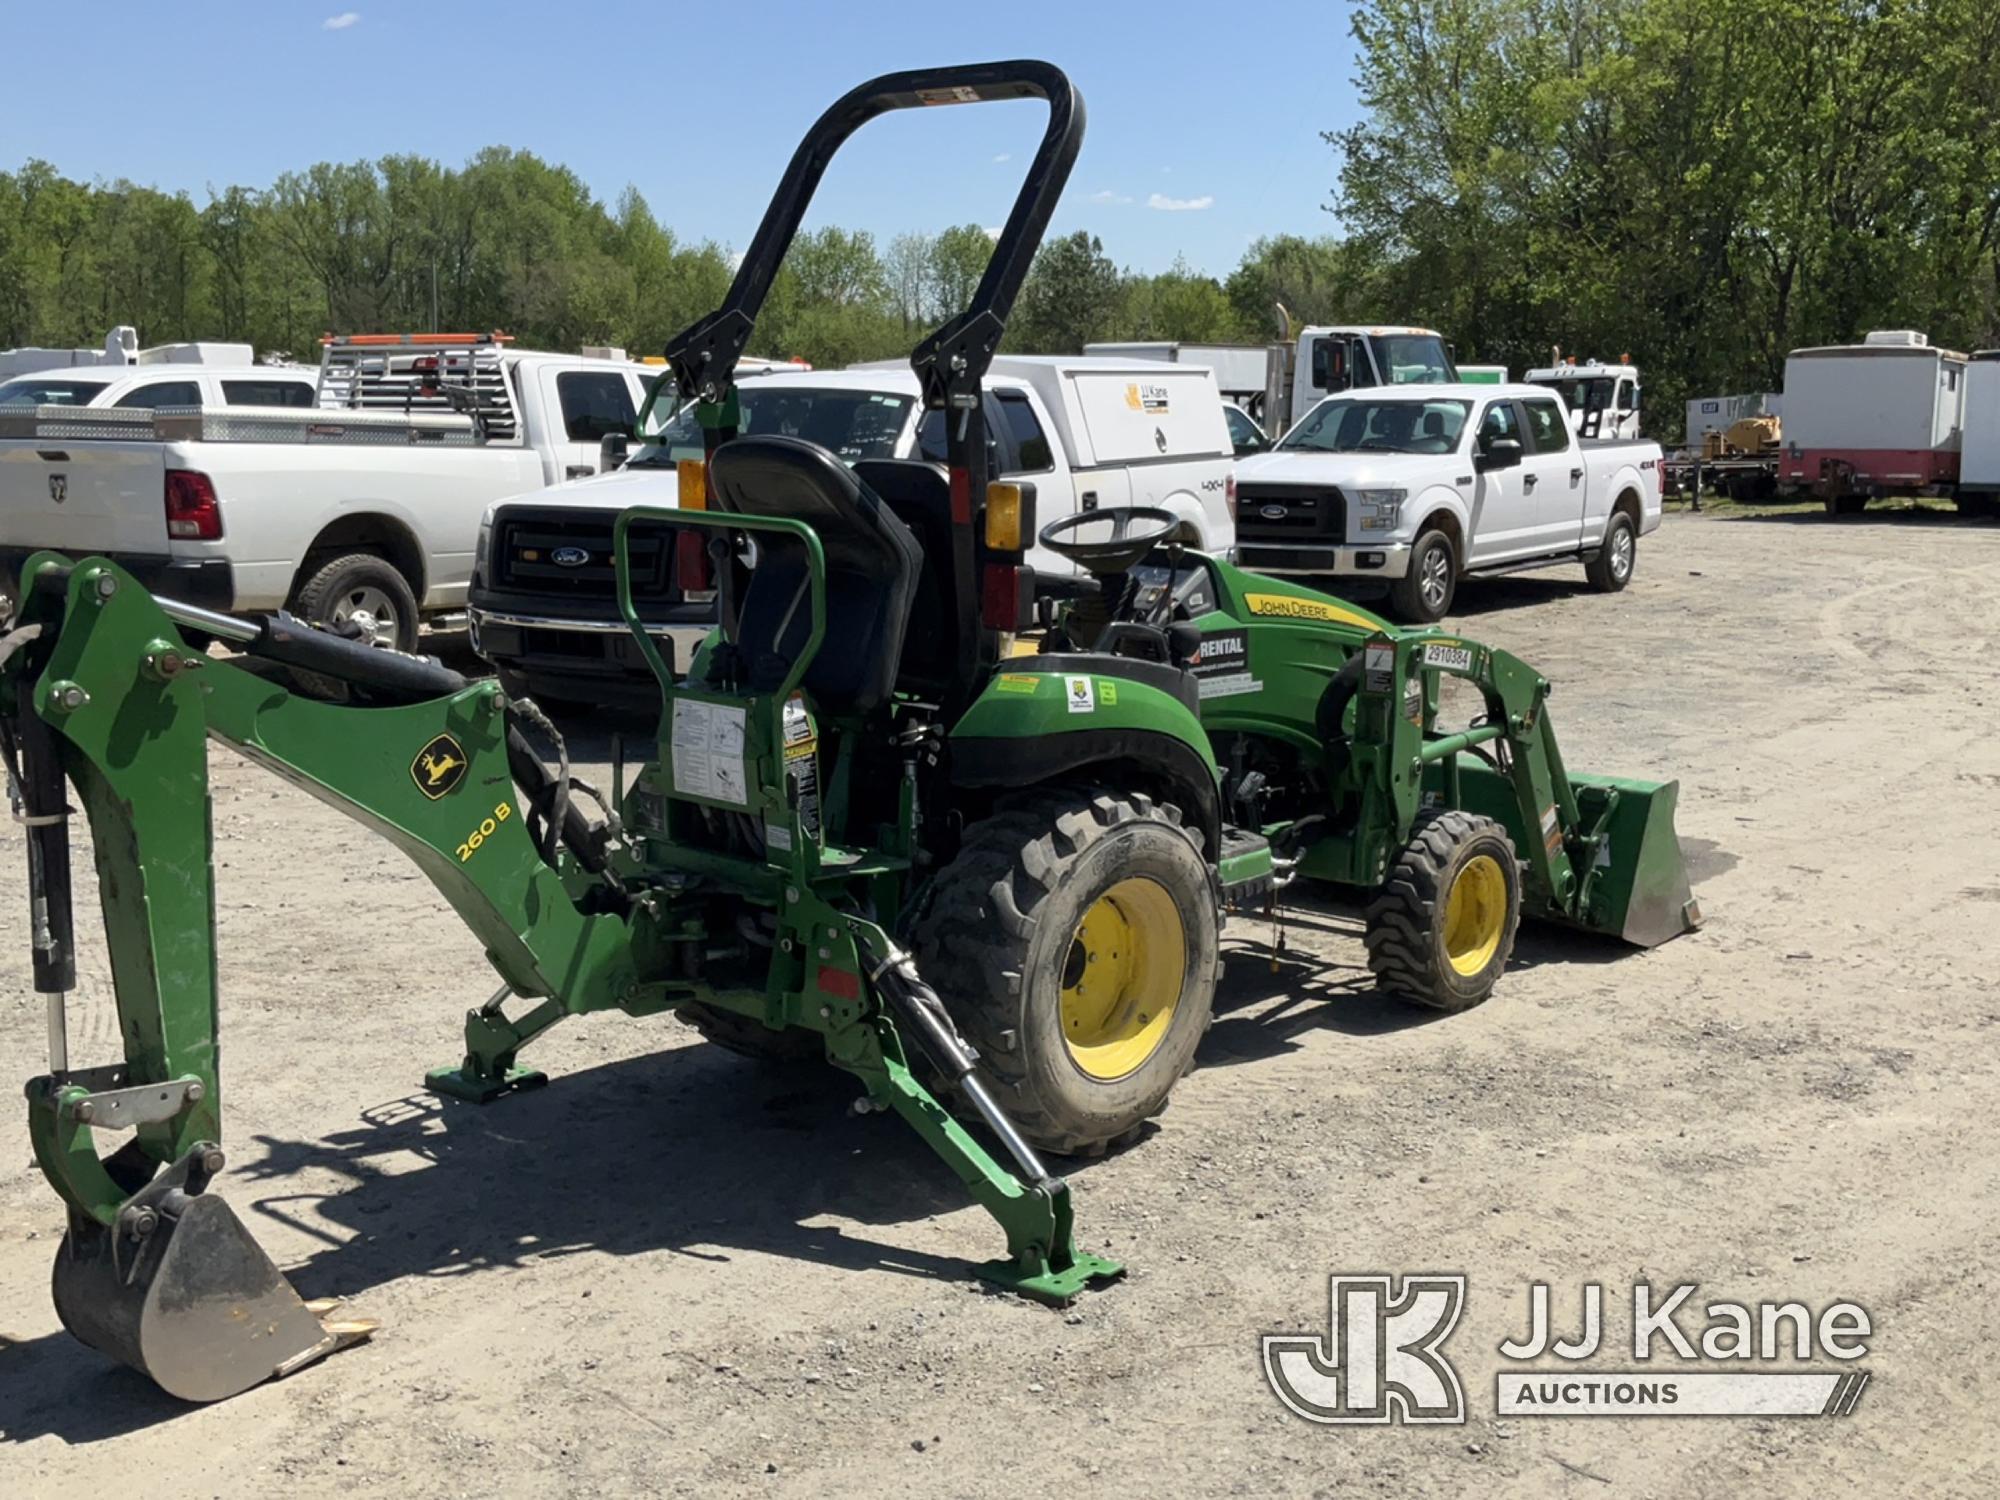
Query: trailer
x=1979, y=461
x=1707, y=414
x=1877, y=418
x=1241, y=370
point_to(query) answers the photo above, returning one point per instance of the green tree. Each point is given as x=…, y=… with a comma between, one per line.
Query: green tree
x=1071, y=297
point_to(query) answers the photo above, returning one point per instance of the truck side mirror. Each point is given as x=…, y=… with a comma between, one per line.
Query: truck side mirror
x=1329, y=365
x=612, y=449
x=1501, y=453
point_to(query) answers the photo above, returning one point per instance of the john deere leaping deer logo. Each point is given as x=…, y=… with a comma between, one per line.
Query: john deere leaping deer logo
x=439, y=767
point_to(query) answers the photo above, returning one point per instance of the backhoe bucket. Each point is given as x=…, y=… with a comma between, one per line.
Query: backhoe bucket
x=179, y=1290
x=1640, y=892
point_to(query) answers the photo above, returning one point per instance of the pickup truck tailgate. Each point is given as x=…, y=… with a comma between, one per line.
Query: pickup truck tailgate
x=83, y=497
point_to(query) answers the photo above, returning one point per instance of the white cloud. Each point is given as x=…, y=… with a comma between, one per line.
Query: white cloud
x=1003, y=156
x=1108, y=196
x=342, y=21
x=1180, y=205
x=993, y=232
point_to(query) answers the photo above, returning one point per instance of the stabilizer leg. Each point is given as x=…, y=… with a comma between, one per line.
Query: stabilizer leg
x=491, y=1042
x=1033, y=1207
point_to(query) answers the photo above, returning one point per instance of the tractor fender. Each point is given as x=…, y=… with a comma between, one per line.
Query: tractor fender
x=1040, y=720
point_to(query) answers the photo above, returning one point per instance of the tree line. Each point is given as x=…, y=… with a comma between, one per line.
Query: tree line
x=1703, y=184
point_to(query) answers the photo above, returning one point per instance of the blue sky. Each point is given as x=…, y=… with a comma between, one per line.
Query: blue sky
x=1204, y=119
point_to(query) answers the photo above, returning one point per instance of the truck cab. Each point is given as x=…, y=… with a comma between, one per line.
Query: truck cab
x=1602, y=400
x=1330, y=361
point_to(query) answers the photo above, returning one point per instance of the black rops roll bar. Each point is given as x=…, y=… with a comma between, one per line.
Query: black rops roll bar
x=951, y=363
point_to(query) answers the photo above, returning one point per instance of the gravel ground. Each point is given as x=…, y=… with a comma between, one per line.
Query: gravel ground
x=670, y=1273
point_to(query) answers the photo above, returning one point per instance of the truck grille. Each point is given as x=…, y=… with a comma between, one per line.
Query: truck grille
x=1274, y=514
x=526, y=548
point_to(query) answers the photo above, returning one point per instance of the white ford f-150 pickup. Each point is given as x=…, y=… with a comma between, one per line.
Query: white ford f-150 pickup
x=1085, y=432
x=357, y=508
x=1423, y=486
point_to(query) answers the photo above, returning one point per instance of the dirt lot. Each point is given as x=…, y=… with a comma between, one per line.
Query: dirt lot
x=667, y=1274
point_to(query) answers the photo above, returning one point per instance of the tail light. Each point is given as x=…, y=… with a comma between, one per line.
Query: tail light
x=1229, y=494
x=193, y=515
x=1001, y=604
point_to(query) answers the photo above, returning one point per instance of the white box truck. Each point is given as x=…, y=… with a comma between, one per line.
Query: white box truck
x=1877, y=418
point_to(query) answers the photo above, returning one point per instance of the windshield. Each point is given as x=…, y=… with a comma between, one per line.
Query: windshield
x=850, y=424
x=1579, y=394
x=1359, y=425
x=37, y=390
x=1413, y=359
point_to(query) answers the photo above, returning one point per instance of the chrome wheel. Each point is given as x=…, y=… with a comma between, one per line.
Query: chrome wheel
x=1434, y=578
x=371, y=612
x=1621, y=554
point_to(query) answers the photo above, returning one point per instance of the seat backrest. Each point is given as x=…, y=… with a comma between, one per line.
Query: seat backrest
x=872, y=567
x=920, y=495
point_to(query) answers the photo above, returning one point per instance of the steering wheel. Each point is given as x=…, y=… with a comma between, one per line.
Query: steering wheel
x=1109, y=541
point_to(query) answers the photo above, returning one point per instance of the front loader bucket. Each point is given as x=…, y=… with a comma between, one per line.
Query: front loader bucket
x=1640, y=892
x=179, y=1290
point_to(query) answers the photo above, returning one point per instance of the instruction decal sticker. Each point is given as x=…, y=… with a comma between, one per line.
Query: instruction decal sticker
x=439, y=767
x=1082, y=697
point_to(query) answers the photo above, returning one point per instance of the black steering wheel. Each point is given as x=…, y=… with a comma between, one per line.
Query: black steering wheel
x=1108, y=542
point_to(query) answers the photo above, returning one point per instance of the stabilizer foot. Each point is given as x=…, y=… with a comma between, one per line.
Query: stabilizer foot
x=1057, y=1288
x=476, y=1087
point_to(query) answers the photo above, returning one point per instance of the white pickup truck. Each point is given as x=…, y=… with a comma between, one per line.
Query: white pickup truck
x=358, y=509
x=1422, y=486
x=1085, y=432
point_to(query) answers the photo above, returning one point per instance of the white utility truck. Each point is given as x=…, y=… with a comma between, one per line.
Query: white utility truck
x=1421, y=487
x=1279, y=383
x=1084, y=431
x=1876, y=418
x=1602, y=400
x=360, y=511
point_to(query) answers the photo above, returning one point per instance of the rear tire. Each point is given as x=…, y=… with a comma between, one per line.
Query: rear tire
x=1441, y=929
x=1612, y=568
x=360, y=585
x=1424, y=593
x=1054, y=937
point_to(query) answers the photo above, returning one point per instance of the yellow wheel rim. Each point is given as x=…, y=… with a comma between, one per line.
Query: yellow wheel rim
x=1475, y=914
x=1122, y=978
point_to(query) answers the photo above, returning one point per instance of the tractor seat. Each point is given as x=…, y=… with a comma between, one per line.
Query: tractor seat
x=920, y=495
x=872, y=566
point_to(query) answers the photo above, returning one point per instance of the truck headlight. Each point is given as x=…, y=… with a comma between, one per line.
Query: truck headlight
x=1379, y=510
x=479, y=551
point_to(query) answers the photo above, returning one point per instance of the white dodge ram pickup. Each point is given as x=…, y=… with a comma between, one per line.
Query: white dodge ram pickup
x=358, y=508
x=1422, y=486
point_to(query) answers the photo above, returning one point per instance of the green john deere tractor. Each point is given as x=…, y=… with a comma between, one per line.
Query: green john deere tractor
x=988, y=886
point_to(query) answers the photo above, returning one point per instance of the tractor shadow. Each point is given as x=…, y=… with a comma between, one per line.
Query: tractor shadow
x=690, y=1151
x=1319, y=980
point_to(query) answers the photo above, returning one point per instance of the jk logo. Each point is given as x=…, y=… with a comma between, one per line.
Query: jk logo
x=1381, y=1362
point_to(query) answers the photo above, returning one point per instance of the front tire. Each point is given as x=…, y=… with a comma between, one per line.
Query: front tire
x=1074, y=940
x=1846, y=505
x=1424, y=593
x=1442, y=928
x=1611, y=569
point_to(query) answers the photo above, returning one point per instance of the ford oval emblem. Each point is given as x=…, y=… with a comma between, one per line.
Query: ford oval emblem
x=569, y=557
x=1272, y=512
